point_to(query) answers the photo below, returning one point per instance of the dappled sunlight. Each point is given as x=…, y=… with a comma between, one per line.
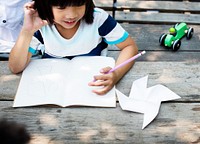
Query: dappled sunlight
x=49, y=120
x=51, y=127
x=146, y=5
x=187, y=132
x=138, y=15
x=40, y=139
x=87, y=135
x=6, y=78
x=153, y=56
x=111, y=131
x=103, y=3
x=107, y=132
x=167, y=77
x=182, y=130
x=138, y=4
x=187, y=136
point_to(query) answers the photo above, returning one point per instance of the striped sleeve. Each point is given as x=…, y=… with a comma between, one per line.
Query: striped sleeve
x=35, y=45
x=111, y=31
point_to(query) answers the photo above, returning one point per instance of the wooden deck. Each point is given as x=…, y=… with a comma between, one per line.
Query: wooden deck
x=177, y=122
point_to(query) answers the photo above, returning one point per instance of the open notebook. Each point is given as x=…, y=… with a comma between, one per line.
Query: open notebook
x=63, y=82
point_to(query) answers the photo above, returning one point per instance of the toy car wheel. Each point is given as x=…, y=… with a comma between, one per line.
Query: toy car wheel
x=162, y=39
x=190, y=33
x=176, y=45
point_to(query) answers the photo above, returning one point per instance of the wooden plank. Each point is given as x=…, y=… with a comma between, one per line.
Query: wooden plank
x=181, y=77
x=161, y=0
x=156, y=18
x=175, y=123
x=105, y=4
x=194, y=0
x=8, y=82
x=164, y=56
x=147, y=37
x=161, y=6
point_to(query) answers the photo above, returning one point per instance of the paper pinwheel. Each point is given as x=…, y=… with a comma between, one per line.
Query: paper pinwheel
x=145, y=100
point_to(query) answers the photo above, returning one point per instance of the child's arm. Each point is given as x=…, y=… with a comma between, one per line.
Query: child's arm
x=19, y=55
x=128, y=50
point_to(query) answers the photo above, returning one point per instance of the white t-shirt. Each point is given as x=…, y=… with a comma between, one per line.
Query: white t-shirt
x=11, y=21
x=89, y=39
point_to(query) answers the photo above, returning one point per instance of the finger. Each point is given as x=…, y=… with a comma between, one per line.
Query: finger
x=103, y=77
x=29, y=5
x=98, y=79
x=44, y=22
x=105, y=70
x=99, y=83
x=29, y=8
x=102, y=91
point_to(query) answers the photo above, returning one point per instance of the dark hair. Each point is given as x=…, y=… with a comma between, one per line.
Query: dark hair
x=44, y=8
x=13, y=133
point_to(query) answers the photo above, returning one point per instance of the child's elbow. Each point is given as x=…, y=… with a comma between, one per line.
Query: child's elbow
x=15, y=69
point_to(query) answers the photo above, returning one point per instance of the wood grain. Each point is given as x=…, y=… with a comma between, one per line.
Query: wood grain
x=178, y=121
x=175, y=123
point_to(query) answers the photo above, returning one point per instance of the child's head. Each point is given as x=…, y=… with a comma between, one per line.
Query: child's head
x=44, y=8
x=13, y=133
x=172, y=30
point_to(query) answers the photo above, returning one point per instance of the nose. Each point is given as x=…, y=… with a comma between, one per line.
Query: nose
x=71, y=13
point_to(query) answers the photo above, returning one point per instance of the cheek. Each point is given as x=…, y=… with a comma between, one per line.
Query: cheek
x=82, y=13
x=57, y=16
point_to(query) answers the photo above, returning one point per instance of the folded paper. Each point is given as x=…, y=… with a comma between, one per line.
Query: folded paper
x=63, y=82
x=145, y=100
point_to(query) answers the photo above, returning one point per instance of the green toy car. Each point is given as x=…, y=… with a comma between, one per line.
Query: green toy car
x=176, y=33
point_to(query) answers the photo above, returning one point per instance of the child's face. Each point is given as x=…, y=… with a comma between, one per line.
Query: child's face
x=68, y=17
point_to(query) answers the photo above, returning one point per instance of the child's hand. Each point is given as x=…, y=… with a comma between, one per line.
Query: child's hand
x=32, y=21
x=106, y=81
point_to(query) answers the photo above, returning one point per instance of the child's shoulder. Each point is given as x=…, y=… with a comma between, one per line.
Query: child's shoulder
x=99, y=11
x=100, y=14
